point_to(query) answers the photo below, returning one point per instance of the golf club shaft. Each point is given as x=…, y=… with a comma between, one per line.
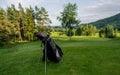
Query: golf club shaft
x=45, y=56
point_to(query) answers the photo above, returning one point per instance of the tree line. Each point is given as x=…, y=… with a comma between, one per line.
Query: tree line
x=109, y=31
x=19, y=24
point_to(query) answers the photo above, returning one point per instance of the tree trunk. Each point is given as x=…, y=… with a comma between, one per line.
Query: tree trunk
x=70, y=34
x=19, y=34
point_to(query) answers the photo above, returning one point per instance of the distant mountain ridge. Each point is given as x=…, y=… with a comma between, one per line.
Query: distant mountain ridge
x=114, y=20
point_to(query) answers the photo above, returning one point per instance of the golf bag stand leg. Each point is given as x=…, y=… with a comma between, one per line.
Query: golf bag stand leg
x=45, y=56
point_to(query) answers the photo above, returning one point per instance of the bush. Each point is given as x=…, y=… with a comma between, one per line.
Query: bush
x=109, y=31
x=86, y=30
x=70, y=33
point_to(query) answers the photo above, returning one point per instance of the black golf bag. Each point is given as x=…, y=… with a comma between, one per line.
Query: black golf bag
x=52, y=51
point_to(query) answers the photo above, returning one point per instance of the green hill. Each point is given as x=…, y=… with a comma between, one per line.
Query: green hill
x=114, y=20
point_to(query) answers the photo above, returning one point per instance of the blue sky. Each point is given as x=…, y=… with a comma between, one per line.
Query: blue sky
x=88, y=10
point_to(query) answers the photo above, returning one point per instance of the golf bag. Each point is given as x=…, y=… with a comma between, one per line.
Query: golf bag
x=51, y=50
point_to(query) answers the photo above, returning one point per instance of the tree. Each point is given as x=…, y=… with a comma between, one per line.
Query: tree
x=42, y=18
x=79, y=31
x=109, y=31
x=102, y=33
x=41, y=28
x=4, y=28
x=29, y=31
x=70, y=33
x=13, y=17
x=22, y=21
x=18, y=25
x=68, y=17
x=86, y=30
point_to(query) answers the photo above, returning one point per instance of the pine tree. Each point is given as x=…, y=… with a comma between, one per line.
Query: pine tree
x=42, y=19
x=30, y=24
x=22, y=21
x=42, y=16
x=4, y=28
x=13, y=17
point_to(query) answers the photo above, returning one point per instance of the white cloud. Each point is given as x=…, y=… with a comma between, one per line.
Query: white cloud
x=87, y=13
x=25, y=3
x=49, y=4
x=103, y=9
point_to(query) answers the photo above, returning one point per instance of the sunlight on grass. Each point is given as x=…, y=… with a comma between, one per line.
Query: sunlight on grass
x=118, y=34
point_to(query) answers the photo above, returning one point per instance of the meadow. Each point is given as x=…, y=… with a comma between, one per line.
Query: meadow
x=82, y=56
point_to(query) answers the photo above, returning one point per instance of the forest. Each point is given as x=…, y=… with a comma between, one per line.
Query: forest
x=19, y=24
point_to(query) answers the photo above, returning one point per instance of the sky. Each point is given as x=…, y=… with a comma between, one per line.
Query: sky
x=88, y=10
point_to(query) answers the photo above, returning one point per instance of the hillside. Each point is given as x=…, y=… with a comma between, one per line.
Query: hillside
x=114, y=20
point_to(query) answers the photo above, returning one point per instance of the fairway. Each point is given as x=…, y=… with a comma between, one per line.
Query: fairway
x=93, y=56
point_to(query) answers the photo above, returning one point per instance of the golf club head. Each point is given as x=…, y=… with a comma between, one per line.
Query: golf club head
x=39, y=35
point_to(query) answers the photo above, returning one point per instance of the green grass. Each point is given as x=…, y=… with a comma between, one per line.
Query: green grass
x=82, y=56
x=56, y=34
